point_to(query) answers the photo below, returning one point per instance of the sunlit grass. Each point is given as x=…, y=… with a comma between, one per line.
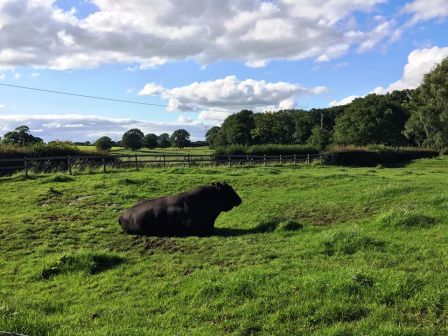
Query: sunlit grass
x=313, y=250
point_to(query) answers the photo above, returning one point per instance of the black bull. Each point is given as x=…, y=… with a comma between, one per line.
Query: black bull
x=188, y=213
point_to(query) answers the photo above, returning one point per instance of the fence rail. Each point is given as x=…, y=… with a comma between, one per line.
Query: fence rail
x=137, y=161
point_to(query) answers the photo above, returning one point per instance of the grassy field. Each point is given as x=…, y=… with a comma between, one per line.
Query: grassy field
x=313, y=250
x=170, y=150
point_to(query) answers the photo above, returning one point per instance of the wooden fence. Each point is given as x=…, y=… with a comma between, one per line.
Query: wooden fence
x=138, y=161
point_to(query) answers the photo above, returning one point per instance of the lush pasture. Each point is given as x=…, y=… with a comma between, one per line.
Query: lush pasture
x=205, y=150
x=313, y=250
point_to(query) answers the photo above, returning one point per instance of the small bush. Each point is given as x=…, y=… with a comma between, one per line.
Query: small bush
x=405, y=218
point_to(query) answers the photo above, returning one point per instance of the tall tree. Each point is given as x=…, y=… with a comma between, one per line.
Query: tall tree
x=21, y=136
x=163, y=140
x=180, y=138
x=133, y=139
x=372, y=120
x=104, y=143
x=150, y=140
x=210, y=136
x=237, y=128
x=430, y=112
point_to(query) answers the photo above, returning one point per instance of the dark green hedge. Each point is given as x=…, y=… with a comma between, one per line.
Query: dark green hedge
x=374, y=155
x=266, y=150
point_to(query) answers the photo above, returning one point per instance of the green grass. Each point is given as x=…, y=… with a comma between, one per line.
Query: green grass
x=170, y=150
x=313, y=250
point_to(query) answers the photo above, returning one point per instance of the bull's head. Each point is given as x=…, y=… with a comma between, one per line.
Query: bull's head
x=227, y=196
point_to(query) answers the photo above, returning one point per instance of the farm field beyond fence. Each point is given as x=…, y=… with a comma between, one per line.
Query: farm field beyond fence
x=313, y=250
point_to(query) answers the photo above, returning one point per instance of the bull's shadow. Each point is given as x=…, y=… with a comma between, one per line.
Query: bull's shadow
x=228, y=232
x=270, y=225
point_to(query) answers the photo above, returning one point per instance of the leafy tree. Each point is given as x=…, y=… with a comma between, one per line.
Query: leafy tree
x=104, y=143
x=303, y=124
x=180, y=138
x=210, y=136
x=237, y=128
x=21, y=136
x=428, y=123
x=372, y=120
x=273, y=128
x=150, y=141
x=133, y=139
x=319, y=137
x=164, y=140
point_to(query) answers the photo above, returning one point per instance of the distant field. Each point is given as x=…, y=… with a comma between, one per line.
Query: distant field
x=170, y=150
x=371, y=258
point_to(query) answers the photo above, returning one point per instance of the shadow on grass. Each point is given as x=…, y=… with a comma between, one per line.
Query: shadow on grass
x=269, y=225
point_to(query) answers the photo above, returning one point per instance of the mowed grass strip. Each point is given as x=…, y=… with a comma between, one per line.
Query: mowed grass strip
x=313, y=250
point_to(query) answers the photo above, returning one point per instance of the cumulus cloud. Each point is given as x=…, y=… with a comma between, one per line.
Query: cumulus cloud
x=423, y=10
x=84, y=127
x=344, y=101
x=221, y=97
x=152, y=32
x=420, y=62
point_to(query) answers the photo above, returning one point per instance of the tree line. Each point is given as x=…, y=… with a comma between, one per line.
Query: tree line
x=131, y=139
x=135, y=139
x=402, y=118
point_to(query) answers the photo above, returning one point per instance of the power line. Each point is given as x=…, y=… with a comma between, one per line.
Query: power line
x=193, y=109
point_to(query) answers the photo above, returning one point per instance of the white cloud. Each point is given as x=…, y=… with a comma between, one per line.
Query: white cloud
x=85, y=127
x=2, y=106
x=152, y=32
x=184, y=119
x=420, y=62
x=17, y=76
x=227, y=95
x=423, y=10
x=344, y=101
x=2, y=76
x=35, y=74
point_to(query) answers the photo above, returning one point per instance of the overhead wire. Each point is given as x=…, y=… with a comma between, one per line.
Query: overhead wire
x=181, y=107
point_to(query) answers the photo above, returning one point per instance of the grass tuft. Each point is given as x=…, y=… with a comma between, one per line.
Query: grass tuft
x=351, y=242
x=405, y=218
x=87, y=263
x=277, y=224
x=58, y=179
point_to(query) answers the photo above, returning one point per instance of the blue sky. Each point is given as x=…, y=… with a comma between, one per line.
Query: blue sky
x=219, y=57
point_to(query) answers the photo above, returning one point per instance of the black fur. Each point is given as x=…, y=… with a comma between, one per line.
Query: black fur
x=188, y=213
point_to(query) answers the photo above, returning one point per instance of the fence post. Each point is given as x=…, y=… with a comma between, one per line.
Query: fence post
x=308, y=158
x=281, y=161
x=295, y=161
x=104, y=165
x=188, y=159
x=230, y=161
x=321, y=158
x=69, y=165
x=136, y=161
x=26, y=167
x=247, y=160
x=264, y=160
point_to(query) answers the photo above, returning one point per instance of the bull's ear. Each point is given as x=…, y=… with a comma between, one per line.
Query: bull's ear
x=216, y=185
